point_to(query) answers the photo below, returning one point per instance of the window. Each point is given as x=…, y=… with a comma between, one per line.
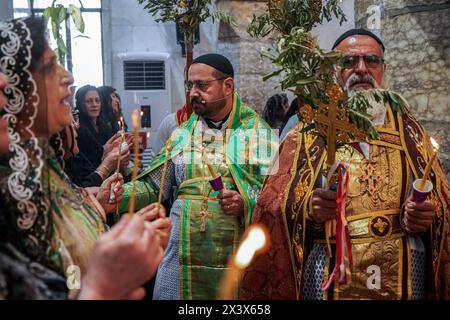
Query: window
x=85, y=59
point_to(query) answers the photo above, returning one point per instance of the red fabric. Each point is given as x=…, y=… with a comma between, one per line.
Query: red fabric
x=181, y=115
x=344, y=257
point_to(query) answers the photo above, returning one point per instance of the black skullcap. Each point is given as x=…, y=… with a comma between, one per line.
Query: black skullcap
x=358, y=32
x=217, y=61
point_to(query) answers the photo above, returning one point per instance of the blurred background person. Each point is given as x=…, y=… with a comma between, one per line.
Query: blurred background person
x=111, y=111
x=275, y=111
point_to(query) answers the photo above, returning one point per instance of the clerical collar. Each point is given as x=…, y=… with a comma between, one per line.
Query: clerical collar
x=219, y=124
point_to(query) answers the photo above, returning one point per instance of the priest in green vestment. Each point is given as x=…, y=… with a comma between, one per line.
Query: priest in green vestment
x=223, y=137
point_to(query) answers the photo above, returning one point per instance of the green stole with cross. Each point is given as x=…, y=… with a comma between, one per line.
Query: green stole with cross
x=207, y=236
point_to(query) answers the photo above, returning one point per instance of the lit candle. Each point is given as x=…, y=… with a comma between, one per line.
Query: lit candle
x=208, y=163
x=255, y=241
x=135, y=118
x=426, y=173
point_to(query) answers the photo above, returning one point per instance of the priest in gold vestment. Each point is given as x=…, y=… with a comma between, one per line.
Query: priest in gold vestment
x=400, y=249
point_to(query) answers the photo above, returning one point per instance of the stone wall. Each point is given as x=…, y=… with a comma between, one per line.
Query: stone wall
x=417, y=38
x=244, y=51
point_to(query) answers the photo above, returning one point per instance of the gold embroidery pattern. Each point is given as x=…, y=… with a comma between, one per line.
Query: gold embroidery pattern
x=384, y=254
x=390, y=138
x=372, y=180
x=300, y=191
x=374, y=184
x=380, y=227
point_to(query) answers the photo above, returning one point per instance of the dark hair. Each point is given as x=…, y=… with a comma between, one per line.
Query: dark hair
x=38, y=34
x=220, y=75
x=105, y=97
x=80, y=103
x=80, y=100
x=273, y=107
x=107, y=114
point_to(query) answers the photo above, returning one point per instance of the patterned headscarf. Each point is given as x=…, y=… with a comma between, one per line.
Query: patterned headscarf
x=26, y=158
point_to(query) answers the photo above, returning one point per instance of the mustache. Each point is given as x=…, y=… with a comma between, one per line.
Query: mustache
x=196, y=100
x=357, y=78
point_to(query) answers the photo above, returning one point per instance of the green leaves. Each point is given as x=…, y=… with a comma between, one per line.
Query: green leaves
x=188, y=14
x=77, y=18
x=57, y=14
x=283, y=16
x=225, y=17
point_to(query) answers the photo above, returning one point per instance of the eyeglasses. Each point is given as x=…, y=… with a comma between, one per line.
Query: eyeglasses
x=372, y=61
x=202, y=85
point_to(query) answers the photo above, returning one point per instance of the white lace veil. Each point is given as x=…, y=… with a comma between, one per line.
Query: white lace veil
x=26, y=156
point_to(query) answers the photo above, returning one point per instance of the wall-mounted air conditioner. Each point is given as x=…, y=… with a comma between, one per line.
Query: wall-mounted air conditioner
x=145, y=85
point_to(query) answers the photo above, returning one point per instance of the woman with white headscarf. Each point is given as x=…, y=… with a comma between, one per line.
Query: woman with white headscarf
x=46, y=223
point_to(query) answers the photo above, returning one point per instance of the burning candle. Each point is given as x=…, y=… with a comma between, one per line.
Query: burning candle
x=427, y=170
x=255, y=241
x=208, y=163
x=135, y=118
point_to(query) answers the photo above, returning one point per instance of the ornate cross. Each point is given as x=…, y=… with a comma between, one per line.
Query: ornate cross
x=203, y=215
x=333, y=123
x=371, y=180
x=380, y=225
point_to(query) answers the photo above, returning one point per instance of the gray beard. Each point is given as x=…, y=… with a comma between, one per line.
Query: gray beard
x=377, y=110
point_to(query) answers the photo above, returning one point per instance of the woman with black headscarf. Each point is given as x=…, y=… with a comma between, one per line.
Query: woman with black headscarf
x=94, y=132
x=111, y=111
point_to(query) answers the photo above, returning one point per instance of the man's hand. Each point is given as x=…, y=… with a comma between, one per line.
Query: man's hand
x=123, y=259
x=156, y=215
x=231, y=202
x=324, y=205
x=111, y=192
x=418, y=216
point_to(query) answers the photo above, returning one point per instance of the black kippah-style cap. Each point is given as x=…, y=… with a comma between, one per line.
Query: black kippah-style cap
x=358, y=32
x=217, y=61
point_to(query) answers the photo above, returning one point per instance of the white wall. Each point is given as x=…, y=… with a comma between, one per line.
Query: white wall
x=330, y=31
x=128, y=28
x=136, y=31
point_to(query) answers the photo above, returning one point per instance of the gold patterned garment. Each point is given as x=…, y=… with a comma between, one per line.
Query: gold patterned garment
x=388, y=262
x=379, y=244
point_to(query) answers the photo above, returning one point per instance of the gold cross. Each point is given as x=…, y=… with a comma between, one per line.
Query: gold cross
x=380, y=225
x=372, y=181
x=332, y=122
x=203, y=215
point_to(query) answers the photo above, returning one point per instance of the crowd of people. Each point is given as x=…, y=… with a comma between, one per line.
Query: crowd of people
x=60, y=236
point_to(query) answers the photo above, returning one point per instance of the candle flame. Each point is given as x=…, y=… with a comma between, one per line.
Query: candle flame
x=255, y=241
x=434, y=143
x=135, y=118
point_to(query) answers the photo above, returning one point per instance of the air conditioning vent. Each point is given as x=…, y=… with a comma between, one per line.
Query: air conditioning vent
x=144, y=75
